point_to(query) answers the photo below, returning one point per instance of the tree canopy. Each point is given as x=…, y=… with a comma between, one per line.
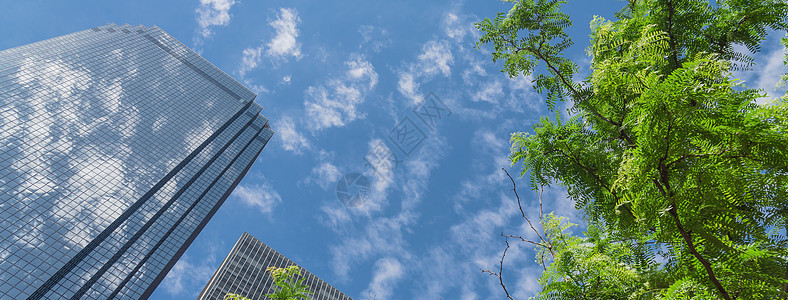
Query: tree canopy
x=666, y=154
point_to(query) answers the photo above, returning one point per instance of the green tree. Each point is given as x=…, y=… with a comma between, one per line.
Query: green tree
x=289, y=287
x=666, y=152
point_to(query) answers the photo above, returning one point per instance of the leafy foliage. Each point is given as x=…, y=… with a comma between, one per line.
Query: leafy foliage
x=232, y=296
x=289, y=287
x=586, y=267
x=665, y=148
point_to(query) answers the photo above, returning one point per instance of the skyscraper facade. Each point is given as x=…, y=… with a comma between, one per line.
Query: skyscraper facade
x=243, y=272
x=117, y=145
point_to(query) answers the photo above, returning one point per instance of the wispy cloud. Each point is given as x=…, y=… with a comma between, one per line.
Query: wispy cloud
x=325, y=175
x=490, y=92
x=212, y=13
x=388, y=271
x=473, y=244
x=436, y=57
x=485, y=207
x=249, y=60
x=768, y=73
x=187, y=276
x=768, y=68
x=334, y=216
x=284, y=44
x=292, y=139
x=334, y=104
x=456, y=28
x=491, y=97
x=285, y=41
x=384, y=236
x=373, y=38
x=479, y=228
x=261, y=196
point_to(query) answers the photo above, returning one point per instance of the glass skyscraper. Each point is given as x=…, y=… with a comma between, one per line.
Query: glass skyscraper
x=117, y=145
x=243, y=273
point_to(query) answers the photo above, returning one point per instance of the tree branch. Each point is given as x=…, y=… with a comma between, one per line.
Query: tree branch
x=500, y=272
x=519, y=205
x=706, y=265
x=663, y=183
x=576, y=161
x=683, y=157
x=785, y=286
x=577, y=95
x=674, y=57
x=524, y=240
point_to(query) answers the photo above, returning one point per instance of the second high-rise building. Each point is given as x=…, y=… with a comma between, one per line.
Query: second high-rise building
x=243, y=272
x=117, y=145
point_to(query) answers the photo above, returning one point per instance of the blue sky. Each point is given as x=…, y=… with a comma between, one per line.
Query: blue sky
x=337, y=79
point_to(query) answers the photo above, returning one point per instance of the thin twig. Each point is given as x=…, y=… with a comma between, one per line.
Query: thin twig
x=519, y=204
x=523, y=239
x=500, y=272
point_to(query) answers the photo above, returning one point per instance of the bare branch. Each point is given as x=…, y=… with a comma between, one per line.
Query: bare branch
x=541, y=221
x=519, y=204
x=523, y=239
x=500, y=272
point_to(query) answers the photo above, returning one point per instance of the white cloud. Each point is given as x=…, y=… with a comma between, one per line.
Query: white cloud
x=256, y=88
x=334, y=104
x=497, y=95
x=453, y=27
x=436, y=57
x=325, y=175
x=382, y=161
x=408, y=86
x=475, y=69
x=373, y=37
x=249, y=60
x=187, y=276
x=491, y=153
x=490, y=92
x=388, y=271
x=173, y=283
x=360, y=69
x=489, y=141
x=769, y=73
x=480, y=228
x=213, y=13
x=261, y=196
x=380, y=174
x=285, y=42
x=336, y=216
x=383, y=236
x=473, y=243
x=526, y=285
x=767, y=70
x=292, y=140
x=457, y=27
